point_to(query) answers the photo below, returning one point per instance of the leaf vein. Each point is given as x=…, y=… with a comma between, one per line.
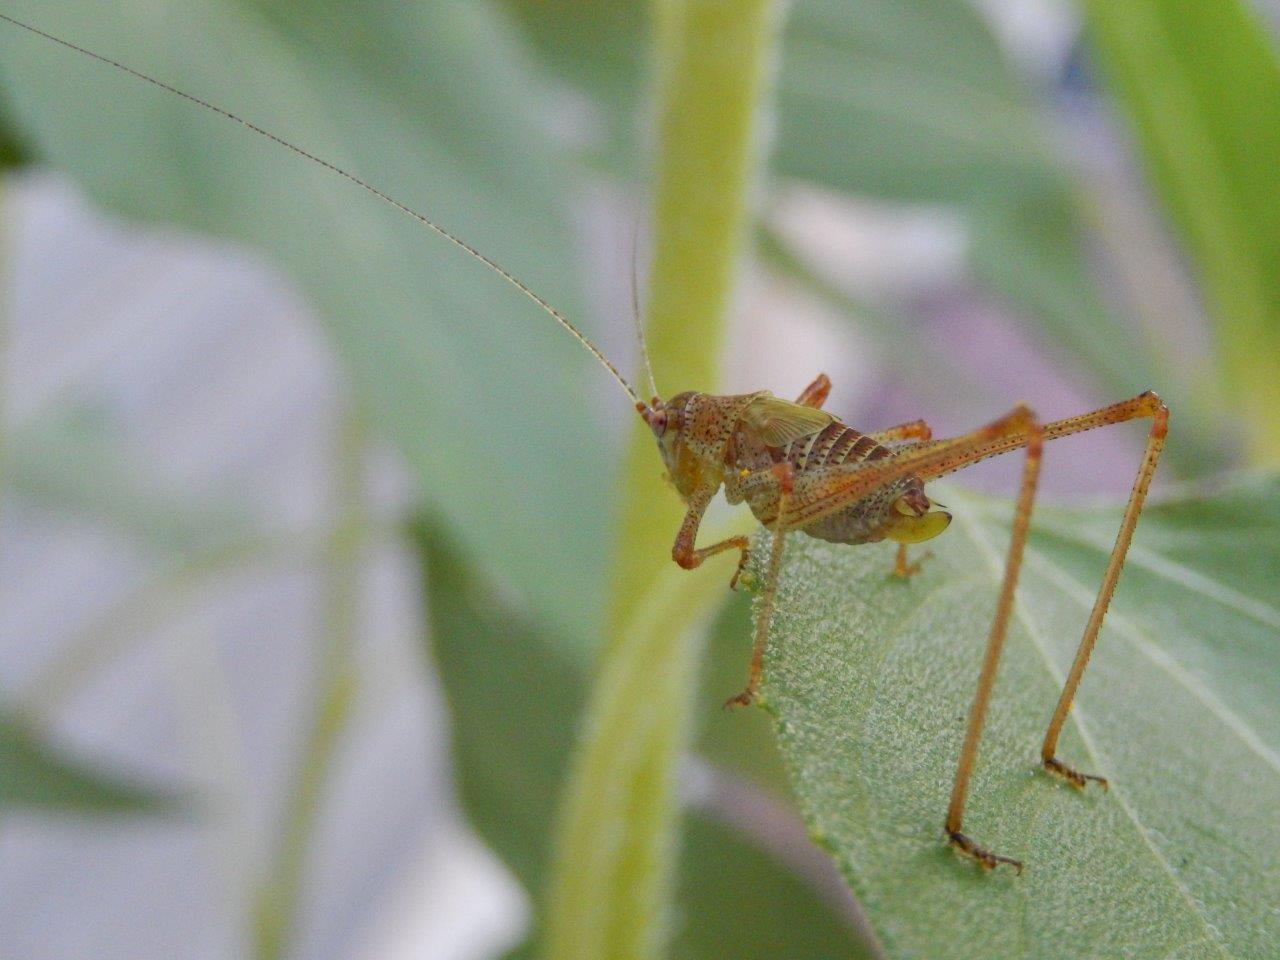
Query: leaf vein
x=1077, y=720
x=1141, y=641
x=1182, y=575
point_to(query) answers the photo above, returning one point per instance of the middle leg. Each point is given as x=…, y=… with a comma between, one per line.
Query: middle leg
x=785, y=475
x=904, y=570
x=916, y=431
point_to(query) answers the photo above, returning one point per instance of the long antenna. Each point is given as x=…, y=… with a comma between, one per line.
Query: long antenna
x=334, y=168
x=635, y=312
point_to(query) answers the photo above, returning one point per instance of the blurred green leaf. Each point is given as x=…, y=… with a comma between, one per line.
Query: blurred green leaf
x=904, y=100
x=915, y=102
x=1200, y=84
x=77, y=467
x=515, y=700
x=1029, y=249
x=36, y=775
x=735, y=901
x=472, y=383
x=13, y=152
x=871, y=679
x=600, y=48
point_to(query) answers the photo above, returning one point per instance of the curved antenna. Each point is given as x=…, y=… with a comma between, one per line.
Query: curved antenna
x=352, y=178
x=635, y=313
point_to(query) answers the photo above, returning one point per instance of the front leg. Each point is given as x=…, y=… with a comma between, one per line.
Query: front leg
x=689, y=556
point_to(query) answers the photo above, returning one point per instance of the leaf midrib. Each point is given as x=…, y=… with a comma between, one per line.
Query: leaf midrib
x=1180, y=574
x=1142, y=642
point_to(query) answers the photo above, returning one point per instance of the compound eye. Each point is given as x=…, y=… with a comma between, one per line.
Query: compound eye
x=658, y=423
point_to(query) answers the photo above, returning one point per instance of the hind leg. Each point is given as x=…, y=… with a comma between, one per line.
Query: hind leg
x=961, y=842
x=915, y=430
x=1148, y=405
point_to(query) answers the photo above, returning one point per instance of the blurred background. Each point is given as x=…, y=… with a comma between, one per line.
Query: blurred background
x=305, y=518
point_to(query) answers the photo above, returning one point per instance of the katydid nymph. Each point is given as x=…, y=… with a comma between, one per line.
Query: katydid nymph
x=799, y=468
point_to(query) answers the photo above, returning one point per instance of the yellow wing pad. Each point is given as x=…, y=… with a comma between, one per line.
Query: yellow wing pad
x=778, y=422
x=904, y=529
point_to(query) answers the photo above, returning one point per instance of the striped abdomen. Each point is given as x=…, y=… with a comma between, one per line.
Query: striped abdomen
x=833, y=445
x=860, y=521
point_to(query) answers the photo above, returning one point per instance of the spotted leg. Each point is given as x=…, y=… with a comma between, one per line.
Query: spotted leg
x=815, y=394
x=1149, y=405
x=785, y=475
x=687, y=555
x=961, y=842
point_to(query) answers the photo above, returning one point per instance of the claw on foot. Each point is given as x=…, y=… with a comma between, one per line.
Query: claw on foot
x=905, y=571
x=741, y=573
x=745, y=699
x=984, y=858
x=1072, y=776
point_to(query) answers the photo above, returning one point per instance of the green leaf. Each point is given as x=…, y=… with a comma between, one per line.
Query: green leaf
x=905, y=101
x=514, y=701
x=915, y=102
x=1200, y=84
x=1029, y=249
x=13, y=152
x=36, y=775
x=599, y=48
x=80, y=467
x=871, y=679
x=437, y=104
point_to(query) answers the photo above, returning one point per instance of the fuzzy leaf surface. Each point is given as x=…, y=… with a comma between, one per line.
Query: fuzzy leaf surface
x=871, y=680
